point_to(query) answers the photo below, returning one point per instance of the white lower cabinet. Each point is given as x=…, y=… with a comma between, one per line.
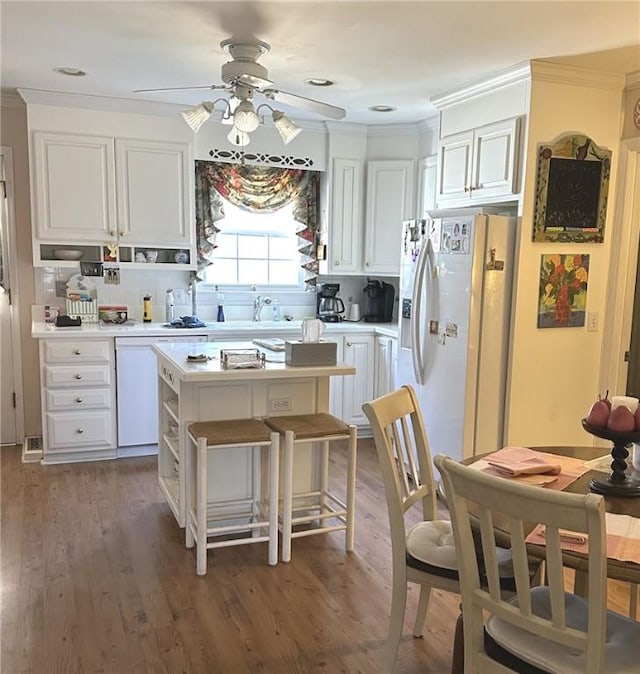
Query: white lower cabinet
x=348, y=393
x=385, y=354
x=78, y=399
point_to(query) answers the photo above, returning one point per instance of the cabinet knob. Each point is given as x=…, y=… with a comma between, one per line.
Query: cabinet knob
x=349, y=343
x=467, y=188
x=79, y=431
x=112, y=233
x=337, y=263
x=77, y=352
x=78, y=376
x=122, y=234
x=78, y=400
x=367, y=264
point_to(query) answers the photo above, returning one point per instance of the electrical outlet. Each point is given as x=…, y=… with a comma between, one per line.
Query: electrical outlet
x=592, y=321
x=280, y=404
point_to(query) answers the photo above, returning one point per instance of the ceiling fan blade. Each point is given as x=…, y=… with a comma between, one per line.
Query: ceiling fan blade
x=211, y=87
x=296, y=101
x=254, y=81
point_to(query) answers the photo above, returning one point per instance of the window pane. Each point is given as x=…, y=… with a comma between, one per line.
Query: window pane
x=283, y=249
x=253, y=246
x=222, y=272
x=253, y=272
x=284, y=273
x=226, y=245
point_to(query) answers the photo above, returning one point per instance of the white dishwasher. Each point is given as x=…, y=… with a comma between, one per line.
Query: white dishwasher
x=137, y=388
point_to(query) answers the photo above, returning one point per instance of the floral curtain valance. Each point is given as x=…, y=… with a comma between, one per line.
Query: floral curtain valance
x=257, y=189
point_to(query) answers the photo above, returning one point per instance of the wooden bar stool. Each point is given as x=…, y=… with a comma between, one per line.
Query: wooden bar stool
x=320, y=505
x=211, y=518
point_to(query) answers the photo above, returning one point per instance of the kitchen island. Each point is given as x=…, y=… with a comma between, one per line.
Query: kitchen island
x=198, y=391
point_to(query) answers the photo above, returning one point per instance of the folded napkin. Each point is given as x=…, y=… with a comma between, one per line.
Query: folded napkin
x=567, y=536
x=516, y=461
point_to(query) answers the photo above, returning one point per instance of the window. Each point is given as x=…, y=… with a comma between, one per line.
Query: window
x=256, y=249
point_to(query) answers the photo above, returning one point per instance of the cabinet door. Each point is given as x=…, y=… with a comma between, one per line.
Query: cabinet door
x=358, y=388
x=454, y=167
x=494, y=160
x=154, y=187
x=389, y=202
x=345, y=226
x=384, y=365
x=74, y=188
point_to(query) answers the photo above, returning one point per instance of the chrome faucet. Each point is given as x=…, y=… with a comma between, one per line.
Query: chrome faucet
x=258, y=303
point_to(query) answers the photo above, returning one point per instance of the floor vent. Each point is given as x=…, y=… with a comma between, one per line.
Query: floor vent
x=32, y=449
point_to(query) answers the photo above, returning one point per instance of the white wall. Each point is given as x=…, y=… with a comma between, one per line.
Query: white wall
x=555, y=371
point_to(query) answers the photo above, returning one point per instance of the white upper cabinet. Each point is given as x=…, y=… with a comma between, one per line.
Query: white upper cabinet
x=74, y=188
x=390, y=199
x=153, y=188
x=105, y=190
x=345, y=226
x=479, y=166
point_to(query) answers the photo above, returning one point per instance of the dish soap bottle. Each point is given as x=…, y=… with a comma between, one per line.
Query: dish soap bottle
x=220, y=298
x=169, y=304
x=146, y=309
x=275, y=308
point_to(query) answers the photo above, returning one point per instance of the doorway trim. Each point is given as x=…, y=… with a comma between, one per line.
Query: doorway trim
x=11, y=251
x=623, y=266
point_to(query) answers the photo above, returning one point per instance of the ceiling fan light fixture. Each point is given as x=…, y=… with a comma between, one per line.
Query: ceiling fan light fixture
x=227, y=116
x=238, y=137
x=195, y=117
x=286, y=128
x=245, y=117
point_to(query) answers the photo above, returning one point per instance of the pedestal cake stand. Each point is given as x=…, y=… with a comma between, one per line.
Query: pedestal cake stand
x=618, y=483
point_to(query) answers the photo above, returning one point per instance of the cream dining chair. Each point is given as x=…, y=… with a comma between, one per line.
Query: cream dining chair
x=543, y=629
x=424, y=553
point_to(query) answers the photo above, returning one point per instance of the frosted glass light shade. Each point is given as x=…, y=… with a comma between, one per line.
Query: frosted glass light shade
x=239, y=138
x=245, y=117
x=286, y=128
x=195, y=117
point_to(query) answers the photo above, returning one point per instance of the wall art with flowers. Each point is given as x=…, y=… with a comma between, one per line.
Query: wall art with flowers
x=563, y=291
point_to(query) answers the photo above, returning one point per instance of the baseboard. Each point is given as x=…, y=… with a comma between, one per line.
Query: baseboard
x=137, y=450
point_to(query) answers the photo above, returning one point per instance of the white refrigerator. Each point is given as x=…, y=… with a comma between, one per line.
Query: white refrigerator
x=455, y=308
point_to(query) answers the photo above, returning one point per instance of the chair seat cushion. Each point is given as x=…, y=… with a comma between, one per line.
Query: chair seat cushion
x=432, y=543
x=431, y=548
x=622, y=647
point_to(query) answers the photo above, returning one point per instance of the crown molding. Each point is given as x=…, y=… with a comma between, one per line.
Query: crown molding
x=348, y=128
x=548, y=71
x=10, y=99
x=503, y=78
x=407, y=129
x=633, y=80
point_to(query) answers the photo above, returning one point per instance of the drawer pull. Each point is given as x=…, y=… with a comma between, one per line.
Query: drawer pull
x=78, y=376
x=79, y=431
x=77, y=352
x=78, y=400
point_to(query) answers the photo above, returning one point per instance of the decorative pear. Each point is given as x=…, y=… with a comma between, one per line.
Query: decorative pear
x=637, y=418
x=598, y=414
x=606, y=400
x=621, y=420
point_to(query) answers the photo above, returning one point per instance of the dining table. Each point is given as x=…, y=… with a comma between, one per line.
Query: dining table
x=623, y=570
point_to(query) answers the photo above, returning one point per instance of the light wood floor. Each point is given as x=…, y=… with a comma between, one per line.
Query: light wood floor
x=96, y=578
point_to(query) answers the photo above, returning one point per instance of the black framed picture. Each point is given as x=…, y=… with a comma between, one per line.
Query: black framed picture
x=572, y=184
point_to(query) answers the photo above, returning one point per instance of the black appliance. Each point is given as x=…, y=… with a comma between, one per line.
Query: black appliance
x=330, y=308
x=378, y=301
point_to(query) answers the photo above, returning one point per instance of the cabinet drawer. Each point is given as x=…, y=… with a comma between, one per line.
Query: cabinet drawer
x=78, y=377
x=78, y=399
x=75, y=351
x=68, y=430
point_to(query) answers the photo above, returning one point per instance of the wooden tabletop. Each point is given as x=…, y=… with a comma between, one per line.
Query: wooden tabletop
x=622, y=505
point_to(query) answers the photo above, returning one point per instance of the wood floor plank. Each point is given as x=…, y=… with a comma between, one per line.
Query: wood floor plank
x=96, y=579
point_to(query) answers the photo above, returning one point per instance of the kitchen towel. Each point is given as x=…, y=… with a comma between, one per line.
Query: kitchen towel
x=516, y=461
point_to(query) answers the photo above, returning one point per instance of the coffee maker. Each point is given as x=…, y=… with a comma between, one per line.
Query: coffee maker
x=378, y=301
x=330, y=308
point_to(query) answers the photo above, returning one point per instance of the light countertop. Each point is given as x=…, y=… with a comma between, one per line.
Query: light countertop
x=175, y=356
x=225, y=330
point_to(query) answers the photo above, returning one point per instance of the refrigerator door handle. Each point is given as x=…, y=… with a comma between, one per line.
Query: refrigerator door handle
x=417, y=337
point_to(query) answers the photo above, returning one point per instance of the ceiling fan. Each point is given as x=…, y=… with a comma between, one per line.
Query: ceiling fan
x=243, y=77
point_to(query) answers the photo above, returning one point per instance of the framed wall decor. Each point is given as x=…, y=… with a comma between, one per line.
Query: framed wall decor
x=572, y=184
x=562, y=296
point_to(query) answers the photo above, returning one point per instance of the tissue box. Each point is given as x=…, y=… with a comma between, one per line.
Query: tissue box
x=303, y=354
